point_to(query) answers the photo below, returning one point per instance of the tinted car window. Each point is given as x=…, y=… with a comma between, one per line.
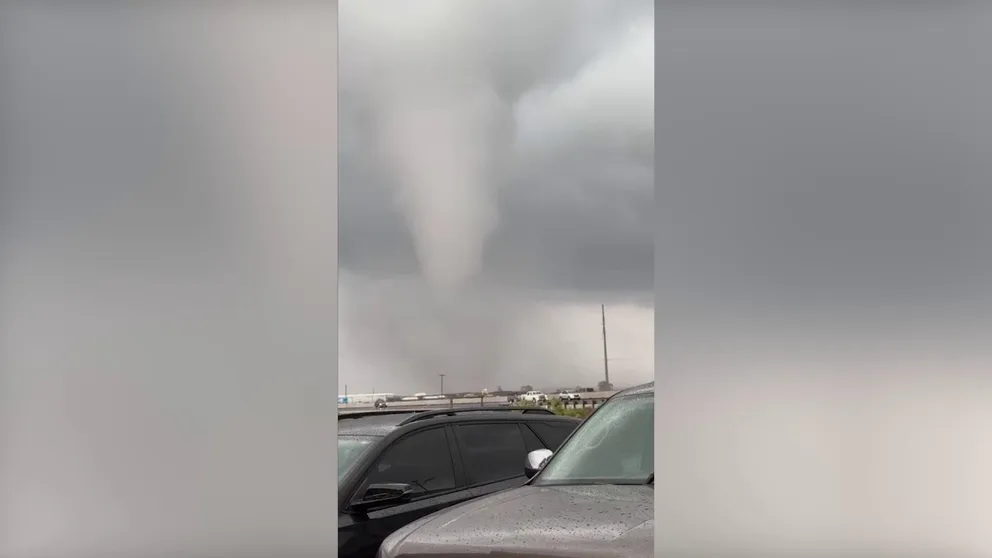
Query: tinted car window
x=552, y=434
x=421, y=459
x=351, y=449
x=491, y=452
x=531, y=441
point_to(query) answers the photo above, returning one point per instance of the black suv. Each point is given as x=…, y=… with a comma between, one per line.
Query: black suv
x=395, y=467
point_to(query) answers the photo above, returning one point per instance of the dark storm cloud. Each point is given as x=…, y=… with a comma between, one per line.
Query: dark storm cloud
x=575, y=225
x=490, y=162
x=814, y=159
x=573, y=206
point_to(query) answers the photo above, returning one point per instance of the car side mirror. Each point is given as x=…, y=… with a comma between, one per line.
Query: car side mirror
x=535, y=461
x=383, y=495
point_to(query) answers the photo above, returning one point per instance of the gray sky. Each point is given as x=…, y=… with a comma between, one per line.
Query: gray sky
x=574, y=191
x=491, y=164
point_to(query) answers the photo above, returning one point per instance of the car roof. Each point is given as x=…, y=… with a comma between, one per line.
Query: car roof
x=368, y=426
x=382, y=423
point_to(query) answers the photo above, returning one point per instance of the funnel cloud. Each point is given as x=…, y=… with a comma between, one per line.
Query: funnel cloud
x=496, y=156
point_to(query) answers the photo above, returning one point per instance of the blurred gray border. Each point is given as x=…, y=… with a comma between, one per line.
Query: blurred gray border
x=299, y=406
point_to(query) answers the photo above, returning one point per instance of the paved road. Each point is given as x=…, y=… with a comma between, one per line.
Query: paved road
x=474, y=401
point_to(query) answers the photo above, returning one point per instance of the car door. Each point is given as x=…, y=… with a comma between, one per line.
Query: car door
x=423, y=459
x=492, y=455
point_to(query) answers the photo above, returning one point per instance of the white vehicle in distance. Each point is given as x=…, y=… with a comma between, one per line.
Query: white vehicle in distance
x=534, y=397
x=569, y=395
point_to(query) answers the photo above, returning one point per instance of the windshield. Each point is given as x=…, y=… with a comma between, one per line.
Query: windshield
x=615, y=445
x=350, y=450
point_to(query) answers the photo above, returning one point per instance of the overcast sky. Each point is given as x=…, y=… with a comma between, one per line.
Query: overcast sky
x=496, y=175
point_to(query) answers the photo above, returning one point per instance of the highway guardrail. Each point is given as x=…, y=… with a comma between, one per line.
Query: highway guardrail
x=589, y=399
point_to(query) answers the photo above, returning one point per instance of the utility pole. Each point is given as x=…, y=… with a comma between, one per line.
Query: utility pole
x=606, y=358
x=442, y=383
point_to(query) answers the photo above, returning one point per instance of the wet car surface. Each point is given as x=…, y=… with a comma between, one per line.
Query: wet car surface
x=572, y=521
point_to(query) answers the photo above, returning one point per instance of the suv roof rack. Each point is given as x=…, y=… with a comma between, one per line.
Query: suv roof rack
x=452, y=412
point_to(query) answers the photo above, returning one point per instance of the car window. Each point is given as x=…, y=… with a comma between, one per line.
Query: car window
x=531, y=441
x=350, y=449
x=491, y=452
x=614, y=445
x=421, y=459
x=553, y=434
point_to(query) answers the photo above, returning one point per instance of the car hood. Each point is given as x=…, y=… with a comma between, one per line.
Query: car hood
x=537, y=521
